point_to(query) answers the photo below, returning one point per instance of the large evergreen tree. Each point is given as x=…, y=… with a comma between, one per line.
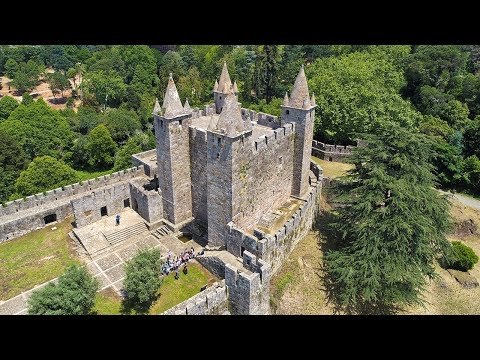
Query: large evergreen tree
x=392, y=224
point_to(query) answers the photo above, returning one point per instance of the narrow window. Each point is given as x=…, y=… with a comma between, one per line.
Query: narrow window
x=287, y=112
x=50, y=218
x=242, y=249
x=219, y=141
x=329, y=158
x=180, y=122
x=126, y=203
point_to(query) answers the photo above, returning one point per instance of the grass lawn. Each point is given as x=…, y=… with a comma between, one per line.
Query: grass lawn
x=107, y=302
x=332, y=169
x=35, y=258
x=87, y=175
x=173, y=292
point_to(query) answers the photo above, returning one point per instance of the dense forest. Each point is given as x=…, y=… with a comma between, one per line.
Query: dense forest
x=433, y=90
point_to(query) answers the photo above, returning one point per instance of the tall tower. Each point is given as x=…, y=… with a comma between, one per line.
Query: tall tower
x=300, y=109
x=173, y=155
x=228, y=140
x=222, y=88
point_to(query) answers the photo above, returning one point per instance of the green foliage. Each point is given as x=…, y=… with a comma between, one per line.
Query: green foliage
x=123, y=157
x=87, y=119
x=472, y=173
x=462, y=257
x=27, y=99
x=73, y=295
x=58, y=83
x=25, y=78
x=121, y=123
x=7, y=105
x=471, y=138
x=39, y=129
x=142, y=280
x=11, y=67
x=355, y=93
x=44, y=173
x=70, y=103
x=100, y=148
x=273, y=108
x=391, y=225
x=12, y=161
x=107, y=87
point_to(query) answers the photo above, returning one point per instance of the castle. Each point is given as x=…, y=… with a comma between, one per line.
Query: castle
x=241, y=180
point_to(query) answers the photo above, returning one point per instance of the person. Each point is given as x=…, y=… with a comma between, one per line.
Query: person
x=185, y=270
x=117, y=219
x=176, y=274
x=192, y=252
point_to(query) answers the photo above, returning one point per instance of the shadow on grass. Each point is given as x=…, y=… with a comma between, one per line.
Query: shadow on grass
x=130, y=307
x=330, y=240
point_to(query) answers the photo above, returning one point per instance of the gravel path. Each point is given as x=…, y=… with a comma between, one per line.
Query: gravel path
x=465, y=200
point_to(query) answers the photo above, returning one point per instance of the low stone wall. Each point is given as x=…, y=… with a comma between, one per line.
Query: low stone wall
x=271, y=121
x=212, y=301
x=22, y=216
x=143, y=158
x=328, y=152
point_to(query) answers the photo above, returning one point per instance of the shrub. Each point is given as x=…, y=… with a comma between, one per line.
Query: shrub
x=463, y=258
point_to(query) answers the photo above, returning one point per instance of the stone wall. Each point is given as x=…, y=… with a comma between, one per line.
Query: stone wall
x=138, y=159
x=330, y=152
x=275, y=248
x=22, y=216
x=212, y=301
x=87, y=209
x=271, y=121
x=198, y=165
x=248, y=294
x=148, y=204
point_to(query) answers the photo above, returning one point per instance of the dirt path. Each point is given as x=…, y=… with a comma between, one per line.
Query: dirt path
x=465, y=200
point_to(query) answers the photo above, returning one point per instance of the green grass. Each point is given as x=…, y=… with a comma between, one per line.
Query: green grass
x=35, y=258
x=107, y=302
x=173, y=292
x=332, y=169
x=87, y=175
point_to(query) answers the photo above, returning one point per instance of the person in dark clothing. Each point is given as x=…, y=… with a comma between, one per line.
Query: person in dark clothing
x=185, y=270
x=117, y=219
x=176, y=274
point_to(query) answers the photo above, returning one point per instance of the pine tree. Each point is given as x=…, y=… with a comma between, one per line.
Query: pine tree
x=391, y=223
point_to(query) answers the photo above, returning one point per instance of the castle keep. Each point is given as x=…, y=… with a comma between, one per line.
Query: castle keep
x=239, y=180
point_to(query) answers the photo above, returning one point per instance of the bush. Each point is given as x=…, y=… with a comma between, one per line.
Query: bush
x=73, y=295
x=142, y=280
x=463, y=258
x=70, y=103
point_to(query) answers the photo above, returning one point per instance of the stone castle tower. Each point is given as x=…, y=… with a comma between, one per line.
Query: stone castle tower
x=300, y=109
x=171, y=123
x=222, y=88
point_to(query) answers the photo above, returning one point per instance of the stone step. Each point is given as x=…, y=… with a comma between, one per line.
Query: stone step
x=126, y=233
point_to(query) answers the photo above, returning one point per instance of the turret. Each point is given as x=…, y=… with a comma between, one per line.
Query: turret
x=222, y=88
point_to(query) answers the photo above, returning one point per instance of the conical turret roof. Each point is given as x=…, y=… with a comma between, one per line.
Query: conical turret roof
x=224, y=84
x=300, y=91
x=171, y=102
x=157, y=109
x=285, y=100
x=230, y=121
x=186, y=107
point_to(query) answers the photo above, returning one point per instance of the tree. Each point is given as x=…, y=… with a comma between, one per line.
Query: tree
x=11, y=67
x=471, y=138
x=190, y=87
x=123, y=157
x=58, y=83
x=106, y=86
x=39, y=129
x=12, y=161
x=472, y=173
x=27, y=99
x=142, y=280
x=355, y=93
x=7, y=105
x=26, y=76
x=44, y=173
x=100, y=148
x=121, y=123
x=74, y=294
x=392, y=224
x=88, y=118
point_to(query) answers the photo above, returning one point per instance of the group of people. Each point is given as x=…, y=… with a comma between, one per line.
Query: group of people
x=173, y=263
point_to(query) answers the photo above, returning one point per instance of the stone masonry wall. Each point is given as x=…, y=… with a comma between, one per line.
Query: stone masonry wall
x=262, y=176
x=198, y=165
x=87, y=208
x=271, y=121
x=148, y=204
x=330, y=152
x=137, y=161
x=22, y=216
x=212, y=301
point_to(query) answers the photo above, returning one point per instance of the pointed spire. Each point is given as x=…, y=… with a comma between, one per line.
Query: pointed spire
x=186, y=107
x=171, y=102
x=224, y=83
x=157, y=109
x=285, y=100
x=300, y=90
x=235, y=88
x=215, y=87
x=306, y=104
x=248, y=124
x=230, y=120
x=212, y=123
x=312, y=100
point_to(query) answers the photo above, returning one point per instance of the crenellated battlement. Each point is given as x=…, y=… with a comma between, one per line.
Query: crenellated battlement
x=265, y=141
x=261, y=118
x=67, y=191
x=331, y=152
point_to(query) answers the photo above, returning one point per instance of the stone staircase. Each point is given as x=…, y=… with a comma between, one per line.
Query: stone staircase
x=120, y=235
x=162, y=231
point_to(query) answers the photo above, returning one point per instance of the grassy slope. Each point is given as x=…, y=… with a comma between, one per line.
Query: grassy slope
x=332, y=169
x=35, y=258
x=297, y=287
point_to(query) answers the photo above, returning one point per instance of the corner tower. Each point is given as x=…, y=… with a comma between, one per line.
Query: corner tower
x=222, y=88
x=228, y=142
x=173, y=155
x=300, y=109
